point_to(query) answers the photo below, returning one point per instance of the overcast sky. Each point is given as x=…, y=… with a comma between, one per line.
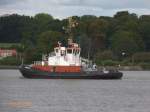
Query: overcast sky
x=65, y=8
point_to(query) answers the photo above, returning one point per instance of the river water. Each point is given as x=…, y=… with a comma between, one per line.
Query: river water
x=131, y=94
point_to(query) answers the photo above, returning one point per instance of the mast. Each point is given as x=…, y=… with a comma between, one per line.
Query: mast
x=71, y=24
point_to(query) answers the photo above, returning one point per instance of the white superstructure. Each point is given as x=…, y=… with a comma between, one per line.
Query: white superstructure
x=65, y=56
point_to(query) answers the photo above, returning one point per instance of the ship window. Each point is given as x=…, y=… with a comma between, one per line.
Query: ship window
x=77, y=51
x=69, y=51
x=56, y=50
x=62, y=53
x=74, y=51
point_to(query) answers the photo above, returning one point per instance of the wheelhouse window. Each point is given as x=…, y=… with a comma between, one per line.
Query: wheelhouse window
x=69, y=51
x=78, y=51
x=56, y=50
x=63, y=52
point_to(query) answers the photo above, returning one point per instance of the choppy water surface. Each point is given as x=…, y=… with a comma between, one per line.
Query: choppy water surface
x=131, y=94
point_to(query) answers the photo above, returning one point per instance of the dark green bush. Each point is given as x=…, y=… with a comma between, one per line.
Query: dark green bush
x=141, y=57
x=10, y=61
x=109, y=63
x=145, y=66
x=126, y=62
x=105, y=55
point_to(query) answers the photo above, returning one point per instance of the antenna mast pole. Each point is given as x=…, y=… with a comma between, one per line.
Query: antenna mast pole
x=72, y=24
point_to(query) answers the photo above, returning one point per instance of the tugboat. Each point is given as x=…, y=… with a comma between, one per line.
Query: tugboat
x=66, y=63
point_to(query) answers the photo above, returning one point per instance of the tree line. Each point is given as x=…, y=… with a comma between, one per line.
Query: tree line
x=119, y=37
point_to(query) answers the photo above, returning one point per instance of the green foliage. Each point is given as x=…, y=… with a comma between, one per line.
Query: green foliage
x=43, y=17
x=145, y=66
x=141, y=57
x=105, y=55
x=126, y=21
x=32, y=54
x=124, y=32
x=12, y=27
x=9, y=45
x=144, y=29
x=42, y=20
x=48, y=40
x=10, y=61
x=123, y=41
x=108, y=63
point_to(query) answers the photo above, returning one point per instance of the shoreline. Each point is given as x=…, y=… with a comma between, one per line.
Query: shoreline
x=8, y=67
x=126, y=68
x=121, y=68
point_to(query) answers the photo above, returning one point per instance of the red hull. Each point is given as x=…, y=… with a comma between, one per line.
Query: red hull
x=62, y=69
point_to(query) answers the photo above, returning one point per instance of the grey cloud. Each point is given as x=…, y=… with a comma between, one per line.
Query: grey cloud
x=64, y=8
x=7, y=2
x=105, y=4
x=108, y=4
